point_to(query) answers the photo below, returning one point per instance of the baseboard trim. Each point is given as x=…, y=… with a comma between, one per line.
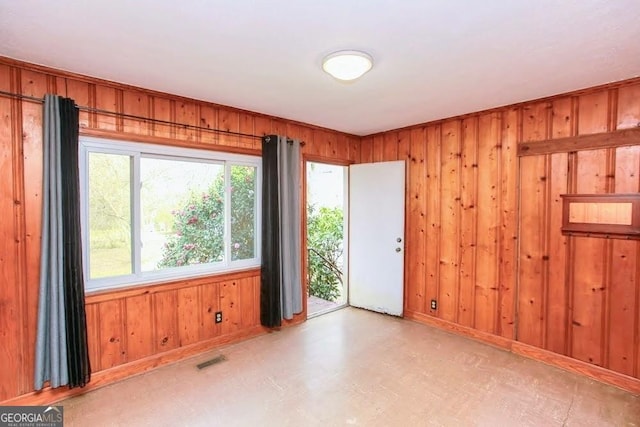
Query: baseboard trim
x=597, y=373
x=100, y=379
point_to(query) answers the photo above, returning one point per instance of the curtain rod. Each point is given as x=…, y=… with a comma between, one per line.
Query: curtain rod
x=133, y=117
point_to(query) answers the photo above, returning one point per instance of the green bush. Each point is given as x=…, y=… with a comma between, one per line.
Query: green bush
x=324, y=243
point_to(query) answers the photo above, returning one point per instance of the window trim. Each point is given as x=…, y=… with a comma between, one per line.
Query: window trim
x=138, y=150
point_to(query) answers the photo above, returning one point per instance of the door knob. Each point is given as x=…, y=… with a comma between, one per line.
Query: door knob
x=398, y=249
x=398, y=240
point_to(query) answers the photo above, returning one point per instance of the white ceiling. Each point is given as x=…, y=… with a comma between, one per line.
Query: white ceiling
x=432, y=59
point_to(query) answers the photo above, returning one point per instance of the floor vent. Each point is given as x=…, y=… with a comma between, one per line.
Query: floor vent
x=213, y=361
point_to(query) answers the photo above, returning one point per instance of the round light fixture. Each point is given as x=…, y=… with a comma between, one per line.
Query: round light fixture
x=347, y=65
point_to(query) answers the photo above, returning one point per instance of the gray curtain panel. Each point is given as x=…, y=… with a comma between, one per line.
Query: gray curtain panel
x=281, y=281
x=290, y=221
x=51, y=340
x=61, y=355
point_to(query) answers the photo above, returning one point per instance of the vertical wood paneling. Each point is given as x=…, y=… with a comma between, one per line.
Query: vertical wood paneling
x=509, y=184
x=486, y=280
x=93, y=336
x=10, y=300
x=593, y=112
x=188, y=316
x=354, y=149
x=30, y=167
x=279, y=127
x=390, y=146
x=303, y=134
x=468, y=221
x=366, y=150
x=378, y=148
x=625, y=280
x=111, y=322
x=105, y=99
x=623, y=344
x=588, y=274
x=162, y=111
x=229, y=304
x=588, y=287
x=535, y=122
x=628, y=107
x=450, y=221
x=404, y=146
x=79, y=92
x=209, y=120
x=256, y=297
x=165, y=319
x=248, y=303
x=247, y=127
x=342, y=147
x=139, y=327
x=557, y=294
x=416, y=223
x=209, y=305
x=493, y=245
x=262, y=126
x=228, y=120
x=33, y=83
x=316, y=147
x=561, y=119
x=135, y=104
x=186, y=113
x=533, y=185
x=432, y=193
x=331, y=144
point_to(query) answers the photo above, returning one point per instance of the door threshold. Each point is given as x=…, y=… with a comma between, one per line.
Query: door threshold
x=327, y=310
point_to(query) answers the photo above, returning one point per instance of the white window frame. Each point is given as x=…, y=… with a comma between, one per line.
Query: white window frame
x=138, y=150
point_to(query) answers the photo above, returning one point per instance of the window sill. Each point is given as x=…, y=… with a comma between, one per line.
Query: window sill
x=92, y=297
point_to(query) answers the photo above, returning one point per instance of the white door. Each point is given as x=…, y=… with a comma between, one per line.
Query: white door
x=376, y=236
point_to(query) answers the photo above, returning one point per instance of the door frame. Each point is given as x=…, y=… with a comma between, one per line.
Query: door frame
x=304, y=270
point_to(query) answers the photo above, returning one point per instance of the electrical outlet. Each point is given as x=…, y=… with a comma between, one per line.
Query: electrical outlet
x=218, y=317
x=434, y=304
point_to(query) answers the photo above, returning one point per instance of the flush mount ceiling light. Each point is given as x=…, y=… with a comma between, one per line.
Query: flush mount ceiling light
x=347, y=65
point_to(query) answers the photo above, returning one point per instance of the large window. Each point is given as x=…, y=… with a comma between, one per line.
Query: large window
x=153, y=212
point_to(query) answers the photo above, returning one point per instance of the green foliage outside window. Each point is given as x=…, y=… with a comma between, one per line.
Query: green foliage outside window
x=325, y=236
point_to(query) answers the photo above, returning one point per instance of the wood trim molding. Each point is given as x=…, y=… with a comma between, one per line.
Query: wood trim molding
x=485, y=337
x=603, y=229
x=597, y=373
x=102, y=378
x=618, y=138
x=324, y=159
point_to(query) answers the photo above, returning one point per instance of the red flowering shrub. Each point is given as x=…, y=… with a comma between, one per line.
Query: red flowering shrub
x=198, y=227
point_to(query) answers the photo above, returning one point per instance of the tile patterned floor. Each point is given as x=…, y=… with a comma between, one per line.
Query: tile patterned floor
x=353, y=367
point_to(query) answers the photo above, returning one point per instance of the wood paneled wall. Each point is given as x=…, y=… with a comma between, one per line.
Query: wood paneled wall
x=460, y=217
x=149, y=323
x=483, y=226
x=579, y=296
